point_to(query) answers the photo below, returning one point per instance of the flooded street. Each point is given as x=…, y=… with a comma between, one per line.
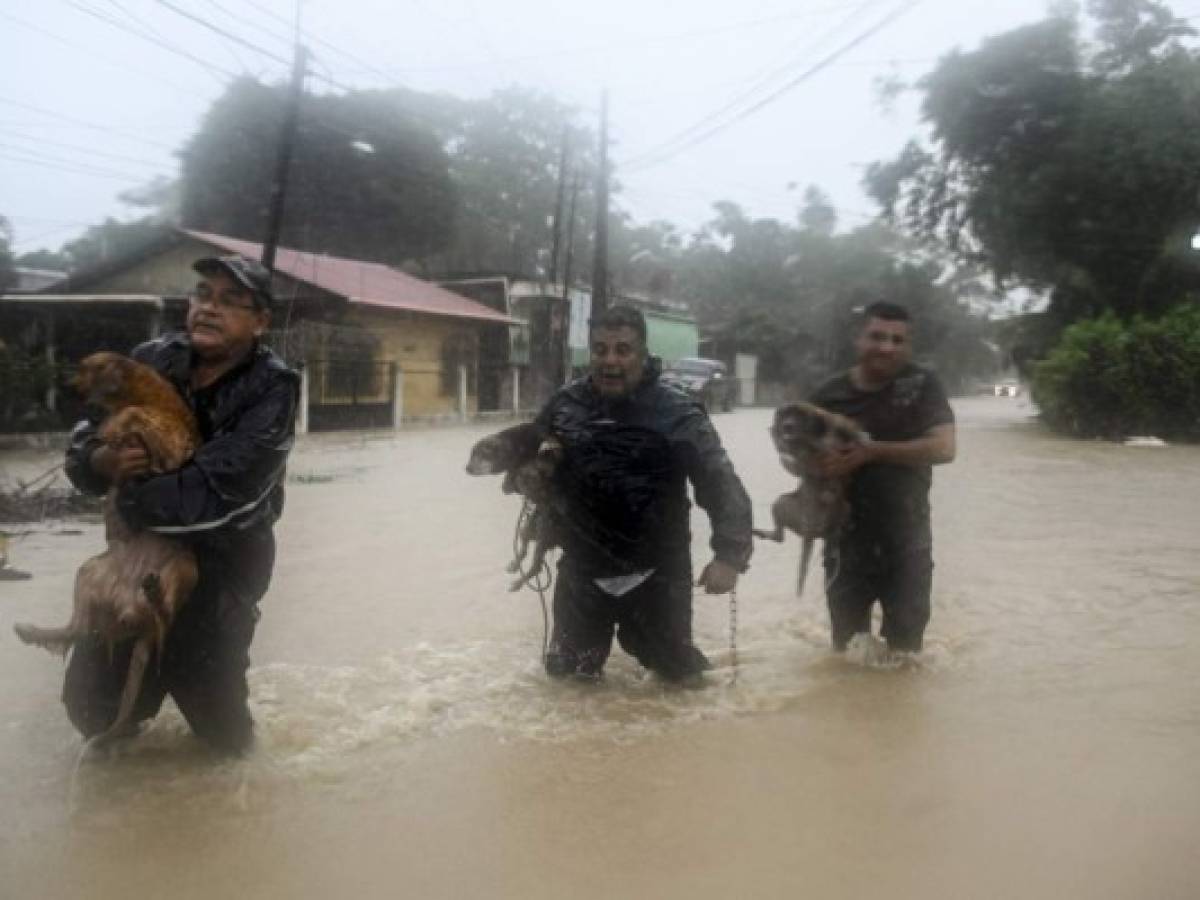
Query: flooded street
x=409, y=744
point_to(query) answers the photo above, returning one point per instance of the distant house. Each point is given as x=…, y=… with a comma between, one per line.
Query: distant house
x=377, y=345
x=553, y=341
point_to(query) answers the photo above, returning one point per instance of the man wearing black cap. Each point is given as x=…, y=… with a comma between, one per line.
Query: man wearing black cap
x=223, y=502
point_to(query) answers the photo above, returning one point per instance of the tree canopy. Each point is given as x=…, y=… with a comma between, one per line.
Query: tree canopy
x=1065, y=164
x=791, y=293
x=367, y=179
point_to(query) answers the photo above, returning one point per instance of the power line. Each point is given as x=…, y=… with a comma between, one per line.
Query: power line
x=237, y=60
x=650, y=41
x=663, y=156
x=287, y=40
x=228, y=35
x=83, y=124
x=39, y=155
x=76, y=169
x=171, y=48
x=91, y=151
x=324, y=43
x=748, y=93
x=91, y=52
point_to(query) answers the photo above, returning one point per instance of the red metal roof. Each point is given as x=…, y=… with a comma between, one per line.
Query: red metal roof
x=362, y=283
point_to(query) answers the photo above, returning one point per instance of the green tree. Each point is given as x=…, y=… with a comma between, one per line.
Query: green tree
x=111, y=239
x=817, y=215
x=44, y=258
x=367, y=179
x=1061, y=164
x=505, y=151
x=791, y=294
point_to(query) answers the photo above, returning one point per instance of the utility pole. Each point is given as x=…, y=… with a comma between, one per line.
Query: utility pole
x=600, y=261
x=565, y=350
x=556, y=229
x=287, y=141
x=559, y=318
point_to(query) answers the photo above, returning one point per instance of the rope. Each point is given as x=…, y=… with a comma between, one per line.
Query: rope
x=24, y=486
x=539, y=580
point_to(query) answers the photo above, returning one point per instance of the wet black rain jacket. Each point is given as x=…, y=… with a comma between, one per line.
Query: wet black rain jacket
x=234, y=483
x=621, y=504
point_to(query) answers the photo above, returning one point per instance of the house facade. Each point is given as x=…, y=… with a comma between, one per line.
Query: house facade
x=377, y=346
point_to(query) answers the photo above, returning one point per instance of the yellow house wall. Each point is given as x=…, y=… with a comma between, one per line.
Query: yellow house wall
x=415, y=342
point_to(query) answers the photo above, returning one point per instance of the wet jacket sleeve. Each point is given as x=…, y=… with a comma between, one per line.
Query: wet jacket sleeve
x=718, y=489
x=78, y=463
x=227, y=480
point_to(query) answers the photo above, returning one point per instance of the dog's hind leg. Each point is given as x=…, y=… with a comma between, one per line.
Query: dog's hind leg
x=152, y=587
x=129, y=694
x=806, y=553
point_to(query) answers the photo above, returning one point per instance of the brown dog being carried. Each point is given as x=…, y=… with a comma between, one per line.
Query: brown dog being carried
x=135, y=588
x=528, y=464
x=818, y=508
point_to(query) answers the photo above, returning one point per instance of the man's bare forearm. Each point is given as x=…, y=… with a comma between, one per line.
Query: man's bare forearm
x=933, y=449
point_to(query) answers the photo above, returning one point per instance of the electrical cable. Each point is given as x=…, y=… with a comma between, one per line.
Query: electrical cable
x=652, y=158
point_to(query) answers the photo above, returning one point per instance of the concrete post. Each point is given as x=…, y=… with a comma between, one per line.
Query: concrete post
x=462, y=391
x=51, y=360
x=302, y=411
x=397, y=396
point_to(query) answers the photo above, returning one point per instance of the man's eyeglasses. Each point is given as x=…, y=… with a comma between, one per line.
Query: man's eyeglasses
x=227, y=299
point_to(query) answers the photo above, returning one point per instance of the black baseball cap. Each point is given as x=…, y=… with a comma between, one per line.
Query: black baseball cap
x=249, y=273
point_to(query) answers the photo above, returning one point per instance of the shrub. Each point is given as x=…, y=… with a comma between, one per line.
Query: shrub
x=1109, y=378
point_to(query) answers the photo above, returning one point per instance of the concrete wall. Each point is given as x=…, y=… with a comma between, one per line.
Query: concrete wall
x=417, y=343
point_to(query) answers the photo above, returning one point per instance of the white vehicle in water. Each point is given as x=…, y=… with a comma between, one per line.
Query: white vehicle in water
x=1009, y=387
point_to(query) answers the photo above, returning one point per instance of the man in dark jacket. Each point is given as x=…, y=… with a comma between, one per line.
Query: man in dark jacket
x=224, y=503
x=886, y=550
x=630, y=445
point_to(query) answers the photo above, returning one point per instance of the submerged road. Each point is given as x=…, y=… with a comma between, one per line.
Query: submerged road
x=1047, y=746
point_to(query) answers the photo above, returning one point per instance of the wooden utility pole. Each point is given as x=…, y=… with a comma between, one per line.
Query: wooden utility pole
x=565, y=350
x=287, y=141
x=559, y=317
x=570, y=238
x=600, y=261
x=556, y=229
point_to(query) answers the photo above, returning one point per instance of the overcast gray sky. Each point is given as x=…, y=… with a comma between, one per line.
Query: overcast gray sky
x=92, y=102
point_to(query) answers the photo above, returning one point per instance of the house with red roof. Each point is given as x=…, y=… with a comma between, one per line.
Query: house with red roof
x=377, y=345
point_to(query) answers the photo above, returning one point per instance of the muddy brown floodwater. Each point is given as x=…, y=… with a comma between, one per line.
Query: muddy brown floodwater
x=1048, y=745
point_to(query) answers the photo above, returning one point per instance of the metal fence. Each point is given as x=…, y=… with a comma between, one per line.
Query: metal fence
x=344, y=394
x=350, y=394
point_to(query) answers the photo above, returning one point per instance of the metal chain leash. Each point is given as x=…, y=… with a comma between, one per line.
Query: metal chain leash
x=733, y=655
